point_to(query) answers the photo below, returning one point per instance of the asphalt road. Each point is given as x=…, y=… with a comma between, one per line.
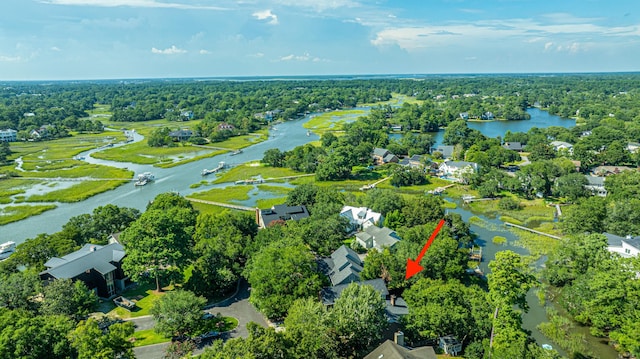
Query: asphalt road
x=237, y=306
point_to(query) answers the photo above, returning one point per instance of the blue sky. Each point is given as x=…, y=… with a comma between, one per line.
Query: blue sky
x=104, y=39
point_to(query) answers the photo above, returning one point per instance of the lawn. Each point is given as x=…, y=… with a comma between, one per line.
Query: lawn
x=148, y=337
x=144, y=296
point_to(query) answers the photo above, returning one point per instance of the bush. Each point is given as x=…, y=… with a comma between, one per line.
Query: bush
x=509, y=204
x=499, y=240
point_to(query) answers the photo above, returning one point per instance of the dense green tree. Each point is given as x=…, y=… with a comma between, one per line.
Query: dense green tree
x=358, y=318
x=571, y=186
x=383, y=200
x=307, y=330
x=157, y=244
x=304, y=194
x=623, y=217
x=17, y=290
x=279, y=274
x=574, y=257
x=438, y=308
x=262, y=343
x=90, y=341
x=509, y=280
x=96, y=227
x=274, y=157
x=588, y=216
x=29, y=336
x=66, y=297
x=34, y=252
x=178, y=313
x=422, y=209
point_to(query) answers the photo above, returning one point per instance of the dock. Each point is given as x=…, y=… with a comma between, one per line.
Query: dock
x=508, y=224
x=220, y=167
x=475, y=254
x=373, y=185
x=220, y=204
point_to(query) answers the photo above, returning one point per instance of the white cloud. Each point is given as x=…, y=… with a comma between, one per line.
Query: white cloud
x=55, y=48
x=130, y=23
x=257, y=55
x=304, y=57
x=524, y=30
x=320, y=5
x=548, y=46
x=132, y=3
x=204, y=52
x=266, y=15
x=10, y=58
x=169, y=51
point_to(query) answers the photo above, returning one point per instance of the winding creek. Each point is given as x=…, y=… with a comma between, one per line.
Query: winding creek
x=285, y=137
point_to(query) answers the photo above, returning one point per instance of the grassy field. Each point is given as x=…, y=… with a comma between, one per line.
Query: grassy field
x=148, y=337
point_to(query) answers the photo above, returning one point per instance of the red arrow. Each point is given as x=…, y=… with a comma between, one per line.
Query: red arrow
x=413, y=267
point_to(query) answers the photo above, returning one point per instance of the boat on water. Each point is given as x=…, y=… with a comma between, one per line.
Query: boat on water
x=236, y=152
x=144, y=178
x=7, y=249
x=308, y=133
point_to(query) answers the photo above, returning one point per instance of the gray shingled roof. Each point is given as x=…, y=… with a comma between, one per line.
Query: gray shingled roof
x=90, y=256
x=383, y=237
x=330, y=294
x=380, y=152
x=344, y=266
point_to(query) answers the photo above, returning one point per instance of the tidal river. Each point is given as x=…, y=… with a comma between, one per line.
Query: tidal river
x=285, y=136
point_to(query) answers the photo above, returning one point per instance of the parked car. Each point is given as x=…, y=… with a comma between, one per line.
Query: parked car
x=208, y=315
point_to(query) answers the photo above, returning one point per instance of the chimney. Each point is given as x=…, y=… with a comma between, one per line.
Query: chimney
x=398, y=338
x=393, y=300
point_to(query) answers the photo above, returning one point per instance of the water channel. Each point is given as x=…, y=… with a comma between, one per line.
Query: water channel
x=286, y=136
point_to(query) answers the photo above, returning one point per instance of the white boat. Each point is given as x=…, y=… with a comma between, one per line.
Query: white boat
x=144, y=178
x=7, y=249
x=236, y=152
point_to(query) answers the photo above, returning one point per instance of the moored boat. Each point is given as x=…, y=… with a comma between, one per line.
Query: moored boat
x=144, y=178
x=7, y=249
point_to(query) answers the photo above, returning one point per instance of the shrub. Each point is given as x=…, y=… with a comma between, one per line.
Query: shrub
x=509, y=204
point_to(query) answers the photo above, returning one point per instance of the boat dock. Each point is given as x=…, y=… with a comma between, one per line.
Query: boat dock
x=220, y=167
x=531, y=230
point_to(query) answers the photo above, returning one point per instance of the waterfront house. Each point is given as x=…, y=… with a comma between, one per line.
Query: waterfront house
x=382, y=156
x=280, y=212
x=376, y=237
x=445, y=150
x=223, y=126
x=181, y=135
x=8, y=135
x=450, y=345
x=514, y=146
x=627, y=247
x=98, y=267
x=457, y=169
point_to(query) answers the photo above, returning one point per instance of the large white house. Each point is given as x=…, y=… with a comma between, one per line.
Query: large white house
x=360, y=217
x=627, y=247
x=8, y=135
x=457, y=169
x=562, y=146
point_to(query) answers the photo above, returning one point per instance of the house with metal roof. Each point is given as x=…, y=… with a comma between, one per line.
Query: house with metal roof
x=98, y=267
x=281, y=212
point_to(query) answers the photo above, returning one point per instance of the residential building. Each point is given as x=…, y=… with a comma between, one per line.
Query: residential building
x=343, y=266
x=457, y=169
x=187, y=114
x=40, y=133
x=604, y=171
x=445, y=150
x=633, y=147
x=8, y=135
x=376, y=237
x=396, y=128
x=562, y=146
x=98, y=267
x=395, y=308
x=360, y=217
x=514, y=146
x=450, y=345
x=181, y=135
x=382, y=156
x=396, y=350
x=225, y=127
x=626, y=247
x=280, y=212
x=595, y=184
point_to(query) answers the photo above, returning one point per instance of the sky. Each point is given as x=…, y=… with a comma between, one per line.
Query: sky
x=116, y=39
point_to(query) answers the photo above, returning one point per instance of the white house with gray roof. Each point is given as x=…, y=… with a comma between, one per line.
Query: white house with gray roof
x=457, y=169
x=360, y=217
x=626, y=247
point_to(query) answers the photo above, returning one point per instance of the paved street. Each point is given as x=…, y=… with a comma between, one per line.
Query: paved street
x=237, y=306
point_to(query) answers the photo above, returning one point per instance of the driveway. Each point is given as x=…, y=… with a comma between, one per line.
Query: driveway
x=237, y=306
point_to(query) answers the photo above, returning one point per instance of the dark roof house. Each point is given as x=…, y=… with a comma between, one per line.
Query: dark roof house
x=446, y=150
x=99, y=267
x=382, y=156
x=514, y=146
x=264, y=217
x=391, y=350
x=343, y=266
x=181, y=135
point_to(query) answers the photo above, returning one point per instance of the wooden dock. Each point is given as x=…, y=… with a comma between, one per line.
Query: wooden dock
x=475, y=254
x=220, y=204
x=373, y=185
x=531, y=230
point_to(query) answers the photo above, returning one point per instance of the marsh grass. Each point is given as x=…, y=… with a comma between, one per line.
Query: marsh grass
x=230, y=194
x=10, y=214
x=333, y=121
x=77, y=192
x=249, y=170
